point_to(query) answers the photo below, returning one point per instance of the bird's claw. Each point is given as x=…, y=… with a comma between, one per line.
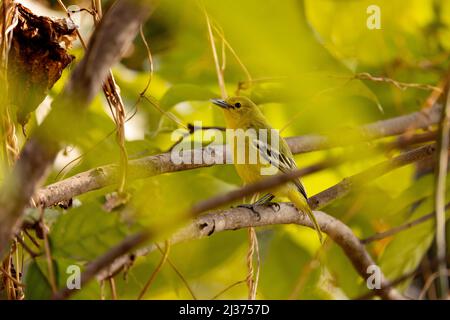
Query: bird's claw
x=274, y=206
x=250, y=207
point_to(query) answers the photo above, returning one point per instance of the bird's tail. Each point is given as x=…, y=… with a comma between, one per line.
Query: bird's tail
x=302, y=204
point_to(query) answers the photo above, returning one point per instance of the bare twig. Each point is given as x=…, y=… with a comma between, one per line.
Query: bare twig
x=180, y=275
x=228, y=288
x=26, y=247
x=392, y=284
x=112, y=287
x=430, y=281
x=400, y=228
x=398, y=84
x=395, y=230
x=440, y=186
x=156, y=271
x=48, y=253
x=11, y=278
x=219, y=71
x=390, y=127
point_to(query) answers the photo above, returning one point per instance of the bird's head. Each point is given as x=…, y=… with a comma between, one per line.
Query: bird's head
x=236, y=106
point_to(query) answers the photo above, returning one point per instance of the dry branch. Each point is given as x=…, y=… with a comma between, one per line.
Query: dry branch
x=158, y=164
x=390, y=127
x=240, y=218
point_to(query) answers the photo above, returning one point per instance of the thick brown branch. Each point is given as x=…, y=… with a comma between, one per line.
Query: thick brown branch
x=239, y=218
x=159, y=164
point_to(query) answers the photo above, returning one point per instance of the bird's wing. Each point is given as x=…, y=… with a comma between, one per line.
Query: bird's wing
x=279, y=160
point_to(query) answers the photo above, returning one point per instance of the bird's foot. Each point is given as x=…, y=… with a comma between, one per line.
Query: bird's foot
x=250, y=207
x=275, y=206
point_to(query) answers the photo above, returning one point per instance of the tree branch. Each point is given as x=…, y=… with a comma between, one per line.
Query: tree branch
x=111, y=38
x=158, y=164
x=390, y=127
x=240, y=218
x=316, y=202
x=323, y=198
x=402, y=227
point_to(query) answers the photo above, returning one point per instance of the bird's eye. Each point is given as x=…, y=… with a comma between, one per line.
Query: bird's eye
x=237, y=105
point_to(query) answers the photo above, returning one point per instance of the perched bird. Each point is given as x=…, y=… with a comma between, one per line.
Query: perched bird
x=242, y=113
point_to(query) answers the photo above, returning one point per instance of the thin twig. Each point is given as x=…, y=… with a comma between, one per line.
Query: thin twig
x=228, y=288
x=26, y=247
x=221, y=34
x=440, y=189
x=430, y=281
x=158, y=268
x=32, y=239
x=398, y=84
x=112, y=286
x=11, y=278
x=48, y=254
x=395, y=230
x=250, y=271
x=179, y=274
x=219, y=72
x=392, y=284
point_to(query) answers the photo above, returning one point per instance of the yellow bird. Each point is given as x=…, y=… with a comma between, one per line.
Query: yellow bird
x=242, y=113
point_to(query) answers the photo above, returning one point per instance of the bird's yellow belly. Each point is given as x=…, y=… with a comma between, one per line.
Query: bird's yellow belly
x=251, y=173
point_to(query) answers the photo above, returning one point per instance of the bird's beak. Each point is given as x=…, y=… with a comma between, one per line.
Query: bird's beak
x=220, y=103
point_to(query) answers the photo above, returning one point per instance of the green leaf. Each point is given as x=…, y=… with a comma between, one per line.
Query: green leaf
x=37, y=284
x=404, y=253
x=86, y=232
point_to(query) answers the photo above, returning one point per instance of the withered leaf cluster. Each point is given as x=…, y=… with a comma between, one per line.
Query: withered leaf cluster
x=37, y=57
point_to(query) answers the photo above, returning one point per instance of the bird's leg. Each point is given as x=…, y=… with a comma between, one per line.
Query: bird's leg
x=264, y=201
x=250, y=207
x=275, y=206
